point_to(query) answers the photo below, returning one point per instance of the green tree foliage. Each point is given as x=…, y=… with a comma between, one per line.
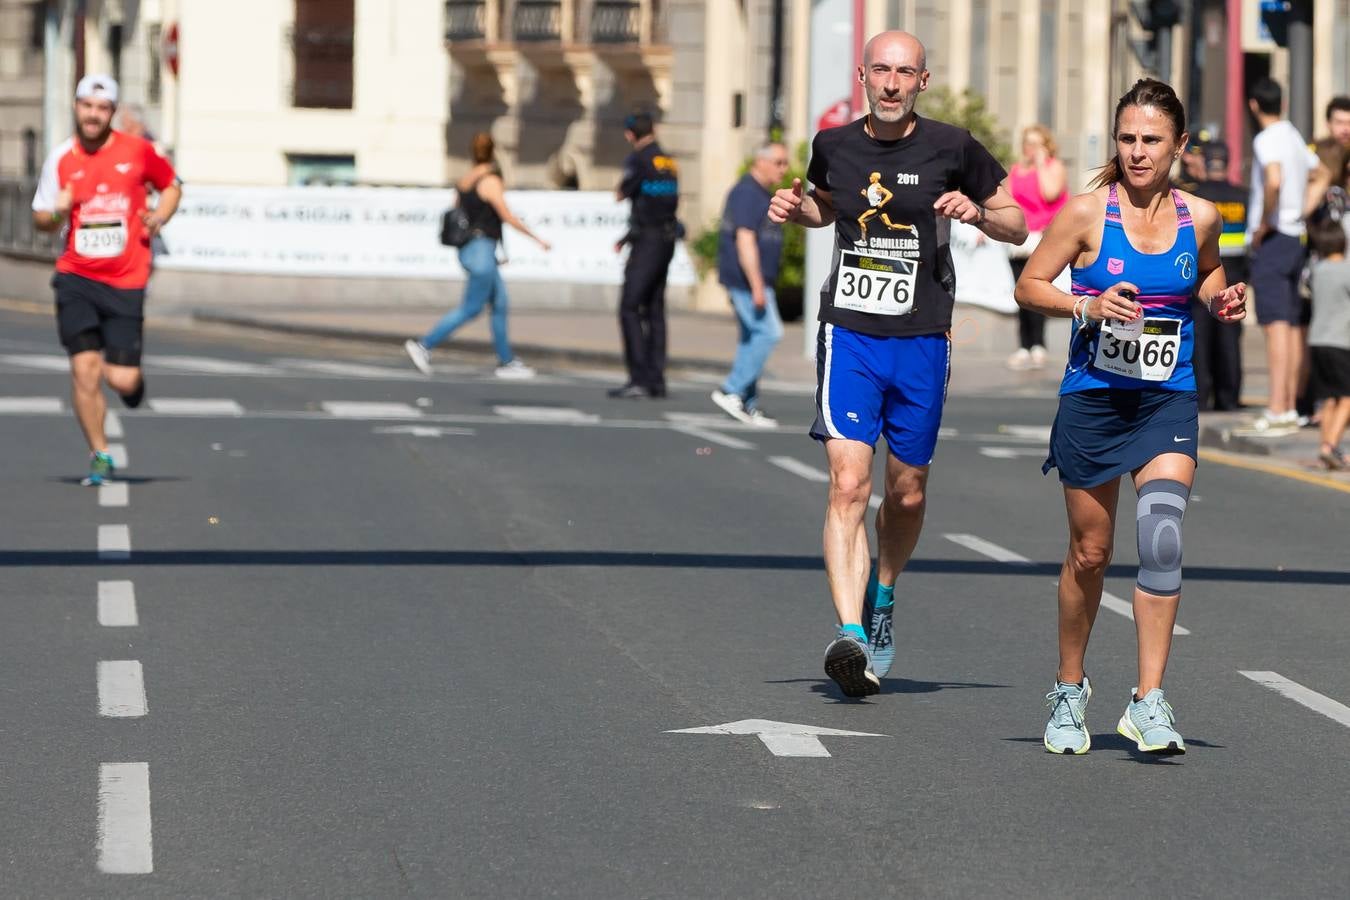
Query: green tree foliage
x=969, y=111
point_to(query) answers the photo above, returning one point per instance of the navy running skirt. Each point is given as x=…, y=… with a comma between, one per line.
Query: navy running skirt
x=1103, y=433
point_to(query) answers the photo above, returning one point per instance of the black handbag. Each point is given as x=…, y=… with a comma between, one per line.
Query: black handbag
x=456, y=230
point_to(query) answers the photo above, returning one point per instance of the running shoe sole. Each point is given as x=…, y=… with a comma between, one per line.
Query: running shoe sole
x=846, y=664
x=1125, y=728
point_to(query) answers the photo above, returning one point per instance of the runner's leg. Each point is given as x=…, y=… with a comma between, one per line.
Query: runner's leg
x=1154, y=616
x=1092, y=522
x=847, y=556
x=900, y=517
x=86, y=395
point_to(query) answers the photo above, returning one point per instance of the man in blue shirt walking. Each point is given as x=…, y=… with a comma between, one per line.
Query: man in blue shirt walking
x=748, y=250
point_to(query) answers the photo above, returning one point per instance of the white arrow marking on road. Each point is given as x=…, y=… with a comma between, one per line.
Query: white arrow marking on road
x=782, y=738
x=1010, y=452
x=1319, y=703
x=430, y=431
x=544, y=414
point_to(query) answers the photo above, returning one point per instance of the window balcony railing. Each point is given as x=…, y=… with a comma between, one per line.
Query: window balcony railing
x=465, y=20
x=616, y=22
x=537, y=20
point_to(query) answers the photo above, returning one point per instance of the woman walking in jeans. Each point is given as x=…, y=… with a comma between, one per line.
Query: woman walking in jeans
x=482, y=197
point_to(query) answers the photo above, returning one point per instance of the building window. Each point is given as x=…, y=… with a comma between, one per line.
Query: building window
x=616, y=22
x=465, y=20
x=115, y=50
x=316, y=170
x=323, y=42
x=37, y=26
x=537, y=20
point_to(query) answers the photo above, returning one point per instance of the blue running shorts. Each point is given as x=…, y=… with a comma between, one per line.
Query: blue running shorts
x=867, y=386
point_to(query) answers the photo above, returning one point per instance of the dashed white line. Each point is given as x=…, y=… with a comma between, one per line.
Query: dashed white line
x=189, y=406
x=1004, y=555
x=207, y=365
x=987, y=548
x=545, y=414
x=432, y=431
x=124, y=830
x=30, y=405
x=114, y=493
x=112, y=426
x=1318, y=703
x=121, y=459
x=713, y=437
x=114, y=542
x=117, y=604
x=356, y=409
x=1010, y=452
x=121, y=689
x=800, y=469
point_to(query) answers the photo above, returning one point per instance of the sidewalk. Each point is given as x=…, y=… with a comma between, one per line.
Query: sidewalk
x=704, y=344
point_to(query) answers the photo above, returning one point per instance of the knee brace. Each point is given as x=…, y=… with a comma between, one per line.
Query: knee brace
x=1162, y=503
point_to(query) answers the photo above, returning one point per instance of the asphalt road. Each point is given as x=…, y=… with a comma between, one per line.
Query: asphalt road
x=440, y=646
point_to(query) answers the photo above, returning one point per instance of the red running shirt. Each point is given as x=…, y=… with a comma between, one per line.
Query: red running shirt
x=106, y=240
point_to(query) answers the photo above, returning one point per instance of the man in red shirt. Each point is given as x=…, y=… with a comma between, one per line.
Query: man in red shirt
x=94, y=186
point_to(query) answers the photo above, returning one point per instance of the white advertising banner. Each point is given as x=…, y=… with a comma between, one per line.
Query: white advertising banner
x=392, y=233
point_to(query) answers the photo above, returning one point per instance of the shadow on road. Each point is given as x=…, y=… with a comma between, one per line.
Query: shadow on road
x=828, y=690
x=620, y=559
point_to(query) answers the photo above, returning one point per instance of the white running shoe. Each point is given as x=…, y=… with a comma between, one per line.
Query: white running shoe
x=732, y=405
x=515, y=370
x=420, y=356
x=1020, y=361
x=759, y=420
x=1038, y=357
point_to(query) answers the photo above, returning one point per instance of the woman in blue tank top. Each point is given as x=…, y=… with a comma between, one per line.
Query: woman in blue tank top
x=1139, y=251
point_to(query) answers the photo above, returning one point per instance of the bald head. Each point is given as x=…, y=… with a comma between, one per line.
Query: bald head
x=896, y=46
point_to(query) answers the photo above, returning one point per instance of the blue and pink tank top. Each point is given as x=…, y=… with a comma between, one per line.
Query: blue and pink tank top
x=1161, y=358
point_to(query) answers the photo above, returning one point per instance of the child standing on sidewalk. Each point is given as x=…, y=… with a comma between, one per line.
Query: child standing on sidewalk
x=1329, y=339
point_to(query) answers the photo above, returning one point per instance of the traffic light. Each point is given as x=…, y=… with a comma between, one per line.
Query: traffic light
x=1157, y=18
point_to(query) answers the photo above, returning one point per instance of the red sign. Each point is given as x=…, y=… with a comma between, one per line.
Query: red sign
x=841, y=113
x=170, y=49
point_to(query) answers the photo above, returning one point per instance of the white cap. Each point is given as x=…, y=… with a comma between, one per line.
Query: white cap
x=97, y=87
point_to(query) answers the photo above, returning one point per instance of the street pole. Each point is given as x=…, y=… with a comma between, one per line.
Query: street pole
x=1301, y=67
x=1164, y=36
x=776, y=75
x=1234, y=107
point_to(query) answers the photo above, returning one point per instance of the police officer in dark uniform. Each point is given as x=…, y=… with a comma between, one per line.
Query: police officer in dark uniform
x=651, y=182
x=1218, y=345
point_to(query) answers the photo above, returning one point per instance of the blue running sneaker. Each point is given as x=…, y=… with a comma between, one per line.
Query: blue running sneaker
x=848, y=663
x=1148, y=722
x=101, y=469
x=1067, y=731
x=879, y=642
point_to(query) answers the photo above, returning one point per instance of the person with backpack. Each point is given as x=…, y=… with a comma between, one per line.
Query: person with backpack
x=482, y=211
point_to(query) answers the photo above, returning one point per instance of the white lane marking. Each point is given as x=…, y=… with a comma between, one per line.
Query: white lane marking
x=189, y=406
x=988, y=548
x=117, y=604
x=1026, y=432
x=121, y=689
x=800, y=469
x=1318, y=703
x=713, y=437
x=1003, y=554
x=948, y=433
x=114, y=542
x=422, y=430
x=781, y=738
x=124, y=829
x=49, y=361
x=44, y=405
x=118, y=452
x=357, y=409
x=113, y=494
x=347, y=369
x=112, y=426
x=207, y=366
x=705, y=420
x=1010, y=452
x=545, y=414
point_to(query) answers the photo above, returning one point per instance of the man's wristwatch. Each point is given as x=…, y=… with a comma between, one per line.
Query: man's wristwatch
x=980, y=221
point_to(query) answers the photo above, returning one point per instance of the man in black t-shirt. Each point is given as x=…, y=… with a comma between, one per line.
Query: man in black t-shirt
x=651, y=182
x=889, y=183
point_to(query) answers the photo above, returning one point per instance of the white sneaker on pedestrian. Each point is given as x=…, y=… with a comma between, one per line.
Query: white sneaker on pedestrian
x=759, y=420
x=1020, y=361
x=1277, y=423
x=515, y=370
x=1038, y=357
x=732, y=405
x=420, y=356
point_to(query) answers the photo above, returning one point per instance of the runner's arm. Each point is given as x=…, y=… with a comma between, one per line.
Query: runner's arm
x=1225, y=302
x=51, y=202
x=1002, y=218
x=792, y=204
x=168, y=204
x=1062, y=242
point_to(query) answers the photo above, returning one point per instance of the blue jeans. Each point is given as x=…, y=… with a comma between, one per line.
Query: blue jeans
x=485, y=285
x=761, y=330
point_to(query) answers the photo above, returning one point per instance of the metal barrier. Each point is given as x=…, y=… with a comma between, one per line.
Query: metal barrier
x=18, y=237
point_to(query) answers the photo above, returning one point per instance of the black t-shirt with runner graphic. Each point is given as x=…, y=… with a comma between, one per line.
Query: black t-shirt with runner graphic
x=892, y=270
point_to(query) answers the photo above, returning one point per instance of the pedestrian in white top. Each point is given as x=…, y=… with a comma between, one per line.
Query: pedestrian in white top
x=1287, y=179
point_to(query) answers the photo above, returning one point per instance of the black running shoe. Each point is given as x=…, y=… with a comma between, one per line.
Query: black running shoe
x=848, y=663
x=627, y=392
x=134, y=399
